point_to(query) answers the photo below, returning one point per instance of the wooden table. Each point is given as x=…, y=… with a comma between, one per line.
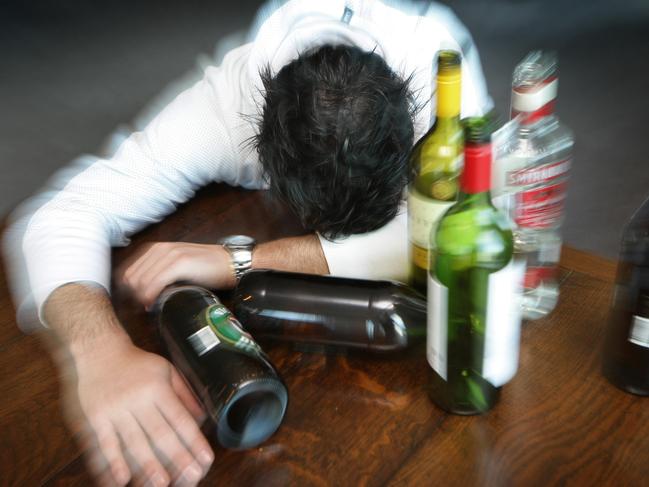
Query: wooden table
x=358, y=421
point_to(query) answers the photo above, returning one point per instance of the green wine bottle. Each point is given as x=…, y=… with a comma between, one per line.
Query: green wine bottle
x=435, y=163
x=473, y=290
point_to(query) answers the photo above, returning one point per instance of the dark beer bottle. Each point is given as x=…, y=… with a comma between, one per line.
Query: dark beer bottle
x=626, y=349
x=330, y=312
x=232, y=377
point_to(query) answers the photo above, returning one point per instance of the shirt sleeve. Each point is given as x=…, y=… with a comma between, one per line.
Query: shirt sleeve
x=65, y=233
x=381, y=254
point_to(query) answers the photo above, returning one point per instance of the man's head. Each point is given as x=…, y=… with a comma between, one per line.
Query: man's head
x=334, y=137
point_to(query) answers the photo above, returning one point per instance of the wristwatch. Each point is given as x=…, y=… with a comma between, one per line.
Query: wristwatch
x=240, y=248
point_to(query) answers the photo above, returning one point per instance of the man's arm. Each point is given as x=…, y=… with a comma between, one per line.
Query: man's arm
x=118, y=396
x=64, y=236
x=159, y=264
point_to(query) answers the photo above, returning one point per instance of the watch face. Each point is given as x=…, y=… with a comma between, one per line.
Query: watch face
x=238, y=240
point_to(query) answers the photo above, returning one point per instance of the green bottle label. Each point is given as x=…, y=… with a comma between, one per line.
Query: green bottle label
x=222, y=329
x=228, y=330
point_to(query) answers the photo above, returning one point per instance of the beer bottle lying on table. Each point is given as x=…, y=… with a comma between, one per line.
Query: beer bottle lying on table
x=232, y=377
x=473, y=291
x=329, y=313
x=435, y=163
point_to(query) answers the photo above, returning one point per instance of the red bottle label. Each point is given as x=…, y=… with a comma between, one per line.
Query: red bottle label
x=538, y=174
x=540, y=206
x=536, y=275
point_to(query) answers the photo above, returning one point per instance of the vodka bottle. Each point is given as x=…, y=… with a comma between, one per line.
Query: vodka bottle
x=530, y=179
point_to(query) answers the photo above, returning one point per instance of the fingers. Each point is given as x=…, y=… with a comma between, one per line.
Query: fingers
x=104, y=459
x=186, y=428
x=167, y=270
x=145, y=466
x=186, y=396
x=164, y=263
x=181, y=464
x=111, y=454
x=152, y=272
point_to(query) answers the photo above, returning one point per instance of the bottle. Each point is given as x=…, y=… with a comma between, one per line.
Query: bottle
x=626, y=349
x=435, y=164
x=232, y=377
x=473, y=310
x=332, y=313
x=530, y=181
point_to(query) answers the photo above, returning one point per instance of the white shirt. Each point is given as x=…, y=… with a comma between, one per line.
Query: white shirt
x=65, y=233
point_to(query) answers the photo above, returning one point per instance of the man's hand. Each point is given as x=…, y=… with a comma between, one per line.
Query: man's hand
x=160, y=264
x=137, y=418
x=133, y=413
x=164, y=263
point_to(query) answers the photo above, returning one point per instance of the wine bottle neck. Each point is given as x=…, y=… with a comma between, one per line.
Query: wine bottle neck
x=448, y=124
x=475, y=199
x=476, y=176
x=449, y=87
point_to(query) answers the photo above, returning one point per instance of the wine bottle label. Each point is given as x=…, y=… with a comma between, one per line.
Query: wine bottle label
x=423, y=216
x=437, y=327
x=419, y=257
x=640, y=331
x=503, y=325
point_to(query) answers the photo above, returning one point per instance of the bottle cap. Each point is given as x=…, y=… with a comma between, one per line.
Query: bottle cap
x=476, y=176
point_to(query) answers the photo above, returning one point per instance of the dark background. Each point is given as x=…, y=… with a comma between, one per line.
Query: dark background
x=72, y=71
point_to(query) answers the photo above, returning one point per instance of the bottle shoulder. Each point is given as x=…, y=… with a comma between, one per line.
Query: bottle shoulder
x=469, y=229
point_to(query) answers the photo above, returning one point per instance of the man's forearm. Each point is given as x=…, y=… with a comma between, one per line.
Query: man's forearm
x=82, y=317
x=296, y=254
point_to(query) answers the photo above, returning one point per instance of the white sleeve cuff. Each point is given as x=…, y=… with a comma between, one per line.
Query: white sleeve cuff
x=381, y=254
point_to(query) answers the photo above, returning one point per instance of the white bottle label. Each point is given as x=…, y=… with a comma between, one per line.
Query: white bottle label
x=423, y=215
x=203, y=340
x=640, y=331
x=436, y=333
x=503, y=326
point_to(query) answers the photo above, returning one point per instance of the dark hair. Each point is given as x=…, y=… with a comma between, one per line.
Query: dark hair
x=334, y=136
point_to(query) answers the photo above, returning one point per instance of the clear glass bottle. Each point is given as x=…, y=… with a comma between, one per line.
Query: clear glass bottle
x=473, y=286
x=435, y=162
x=530, y=180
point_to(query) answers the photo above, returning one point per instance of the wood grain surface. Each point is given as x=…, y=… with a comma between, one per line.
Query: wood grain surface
x=356, y=420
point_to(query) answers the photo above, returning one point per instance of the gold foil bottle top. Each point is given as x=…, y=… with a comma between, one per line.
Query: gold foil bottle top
x=449, y=83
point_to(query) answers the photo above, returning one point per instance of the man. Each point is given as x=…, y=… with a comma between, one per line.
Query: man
x=322, y=107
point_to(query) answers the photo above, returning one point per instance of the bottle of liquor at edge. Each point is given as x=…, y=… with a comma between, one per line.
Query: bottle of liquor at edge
x=239, y=388
x=333, y=313
x=530, y=181
x=473, y=313
x=626, y=350
x=435, y=162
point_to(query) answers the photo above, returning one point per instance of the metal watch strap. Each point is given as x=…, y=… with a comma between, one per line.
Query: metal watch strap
x=241, y=261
